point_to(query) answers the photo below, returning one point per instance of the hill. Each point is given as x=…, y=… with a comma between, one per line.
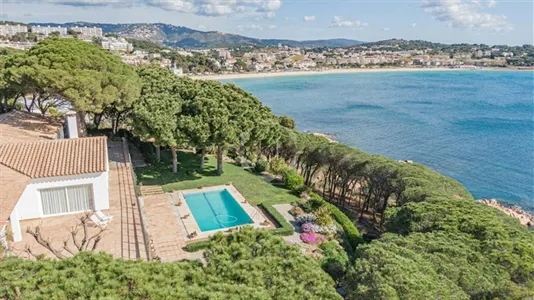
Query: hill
x=171, y=35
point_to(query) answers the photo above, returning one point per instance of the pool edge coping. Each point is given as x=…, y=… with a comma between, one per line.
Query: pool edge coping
x=190, y=224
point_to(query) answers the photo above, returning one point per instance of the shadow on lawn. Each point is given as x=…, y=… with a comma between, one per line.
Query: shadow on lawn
x=188, y=170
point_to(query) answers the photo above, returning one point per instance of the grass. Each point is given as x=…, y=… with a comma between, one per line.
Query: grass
x=252, y=186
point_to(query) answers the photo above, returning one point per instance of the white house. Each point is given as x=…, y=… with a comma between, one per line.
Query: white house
x=43, y=175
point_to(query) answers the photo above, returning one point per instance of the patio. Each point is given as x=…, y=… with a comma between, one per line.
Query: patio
x=169, y=233
x=123, y=237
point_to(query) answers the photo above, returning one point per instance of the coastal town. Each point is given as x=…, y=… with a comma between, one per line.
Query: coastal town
x=280, y=58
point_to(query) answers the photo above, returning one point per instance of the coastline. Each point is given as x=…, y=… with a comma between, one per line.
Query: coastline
x=516, y=212
x=338, y=71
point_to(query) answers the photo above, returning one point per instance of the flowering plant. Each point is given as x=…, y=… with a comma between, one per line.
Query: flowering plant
x=305, y=218
x=312, y=238
x=307, y=227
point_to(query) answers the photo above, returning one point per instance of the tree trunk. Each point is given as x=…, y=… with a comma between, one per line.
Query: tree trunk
x=158, y=154
x=202, y=157
x=259, y=150
x=97, y=118
x=220, y=149
x=174, y=160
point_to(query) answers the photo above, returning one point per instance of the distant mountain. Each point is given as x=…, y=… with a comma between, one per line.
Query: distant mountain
x=180, y=36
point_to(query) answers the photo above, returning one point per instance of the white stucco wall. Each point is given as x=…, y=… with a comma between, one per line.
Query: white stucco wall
x=30, y=207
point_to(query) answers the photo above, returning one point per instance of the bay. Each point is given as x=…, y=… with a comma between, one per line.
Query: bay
x=474, y=126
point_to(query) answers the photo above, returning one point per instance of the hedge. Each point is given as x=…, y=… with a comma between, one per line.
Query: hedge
x=194, y=247
x=351, y=232
x=292, y=179
x=285, y=228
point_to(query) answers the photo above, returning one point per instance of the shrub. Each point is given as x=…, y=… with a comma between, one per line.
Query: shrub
x=287, y=122
x=312, y=238
x=278, y=166
x=307, y=227
x=194, y=247
x=301, y=189
x=335, y=260
x=261, y=166
x=351, y=232
x=305, y=218
x=307, y=207
x=296, y=211
x=292, y=179
x=322, y=216
x=329, y=229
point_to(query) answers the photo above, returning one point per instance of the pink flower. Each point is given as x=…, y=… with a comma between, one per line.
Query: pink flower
x=307, y=227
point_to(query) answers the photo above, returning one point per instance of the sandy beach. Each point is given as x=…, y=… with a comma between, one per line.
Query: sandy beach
x=335, y=71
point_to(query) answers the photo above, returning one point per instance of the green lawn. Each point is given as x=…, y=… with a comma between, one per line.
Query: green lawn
x=253, y=187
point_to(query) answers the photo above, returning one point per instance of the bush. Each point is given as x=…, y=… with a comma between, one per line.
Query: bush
x=335, y=260
x=351, y=232
x=307, y=207
x=296, y=211
x=301, y=189
x=278, y=166
x=322, y=216
x=305, y=218
x=307, y=227
x=292, y=179
x=312, y=237
x=194, y=247
x=287, y=122
x=261, y=166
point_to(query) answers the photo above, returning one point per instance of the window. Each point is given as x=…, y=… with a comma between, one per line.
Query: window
x=66, y=200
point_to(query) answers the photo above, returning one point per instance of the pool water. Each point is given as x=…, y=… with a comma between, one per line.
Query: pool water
x=216, y=209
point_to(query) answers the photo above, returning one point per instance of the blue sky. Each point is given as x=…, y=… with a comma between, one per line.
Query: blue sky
x=448, y=21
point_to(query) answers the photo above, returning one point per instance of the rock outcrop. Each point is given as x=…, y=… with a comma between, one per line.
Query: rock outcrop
x=513, y=211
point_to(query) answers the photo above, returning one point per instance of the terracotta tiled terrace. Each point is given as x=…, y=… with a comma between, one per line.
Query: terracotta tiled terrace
x=123, y=235
x=167, y=236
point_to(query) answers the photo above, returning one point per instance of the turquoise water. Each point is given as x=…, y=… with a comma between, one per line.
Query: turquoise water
x=216, y=210
x=474, y=126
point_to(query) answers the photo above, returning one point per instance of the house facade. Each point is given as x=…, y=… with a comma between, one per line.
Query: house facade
x=46, y=175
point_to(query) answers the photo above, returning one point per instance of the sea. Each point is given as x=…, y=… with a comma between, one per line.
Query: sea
x=474, y=126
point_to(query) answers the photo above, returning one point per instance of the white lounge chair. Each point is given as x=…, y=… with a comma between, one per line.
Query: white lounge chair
x=97, y=222
x=104, y=218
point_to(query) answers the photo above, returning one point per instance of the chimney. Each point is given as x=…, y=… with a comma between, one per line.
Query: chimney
x=71, y=125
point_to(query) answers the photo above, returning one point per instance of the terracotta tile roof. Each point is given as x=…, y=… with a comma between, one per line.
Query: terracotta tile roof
x=20, y=126
x=13, y=184
x=56, y=158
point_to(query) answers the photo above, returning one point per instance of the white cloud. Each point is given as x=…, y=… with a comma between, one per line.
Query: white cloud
x=202, y=7
x=339, y=22
x=309, y=18
x=492, y=3
x=414, y=25
x=272, y=27
x=463, y=14
x=202, y=27
x=386, y=29
x=270, y=15
x=249, y=27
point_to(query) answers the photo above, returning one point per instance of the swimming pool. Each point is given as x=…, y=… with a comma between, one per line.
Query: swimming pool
x=216, y=209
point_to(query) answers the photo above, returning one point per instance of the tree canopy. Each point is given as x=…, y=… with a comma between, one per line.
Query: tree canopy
x=60, y=71
x=156, y=114
x=249, y=264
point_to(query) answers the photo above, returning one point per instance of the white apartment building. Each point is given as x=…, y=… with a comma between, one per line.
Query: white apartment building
x=88, y=31
x=114, y=44
x=11, y=30
x=47, y=30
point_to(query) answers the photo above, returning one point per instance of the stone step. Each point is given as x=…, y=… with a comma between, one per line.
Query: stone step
x=151, y=190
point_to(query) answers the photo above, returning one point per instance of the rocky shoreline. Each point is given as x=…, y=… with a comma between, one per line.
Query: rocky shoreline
x=524, y=217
